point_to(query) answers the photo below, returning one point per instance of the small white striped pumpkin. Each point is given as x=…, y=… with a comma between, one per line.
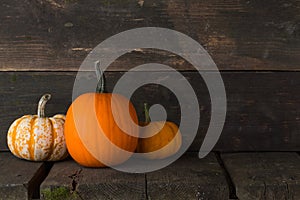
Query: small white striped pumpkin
x=38, y=138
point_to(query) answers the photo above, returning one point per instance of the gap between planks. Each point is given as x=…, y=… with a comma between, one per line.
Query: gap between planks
x=231, y=186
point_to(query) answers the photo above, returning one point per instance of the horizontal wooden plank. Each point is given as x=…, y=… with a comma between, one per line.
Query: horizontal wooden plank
x=198, y=179
x=264, y=175
x=68, y=180
x=57, y=35
x=189, y=178
x=20, y=179
x=262, y=113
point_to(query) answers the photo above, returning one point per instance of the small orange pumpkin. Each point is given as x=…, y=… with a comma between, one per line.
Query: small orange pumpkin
x=90, y=123
x=166, y=142
x=38, y=138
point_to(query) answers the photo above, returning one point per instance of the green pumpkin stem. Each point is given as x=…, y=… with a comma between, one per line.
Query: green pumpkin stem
x=147, y=116
x=42, y=103
x=100, y=77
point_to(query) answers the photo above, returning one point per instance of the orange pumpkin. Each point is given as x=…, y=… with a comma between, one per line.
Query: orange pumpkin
x=166, y=142
x=36, y=137
x=93, y=137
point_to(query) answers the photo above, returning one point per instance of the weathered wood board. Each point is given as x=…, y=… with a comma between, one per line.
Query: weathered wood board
x=263, y=112
x=254, y=175
x=57, y=35
x=264, y=175
x=68, y=180
x=20, y=179
x=189, y=178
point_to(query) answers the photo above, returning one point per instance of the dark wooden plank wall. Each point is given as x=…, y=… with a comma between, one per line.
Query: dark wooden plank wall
x=263, y=107
x=56, y=35
x=254, y=43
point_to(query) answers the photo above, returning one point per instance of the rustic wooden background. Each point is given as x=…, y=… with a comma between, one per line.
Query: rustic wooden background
x=255, y=44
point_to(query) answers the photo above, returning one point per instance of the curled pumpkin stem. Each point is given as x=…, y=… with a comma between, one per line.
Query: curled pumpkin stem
x=147, y=116
x=100, y=77
x=42, y=103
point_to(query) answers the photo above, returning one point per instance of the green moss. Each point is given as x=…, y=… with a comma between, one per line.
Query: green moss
x=59, y=193
x=116, y=2
x=71, y=1
x=14, y=78
x=28, y=37
x=104, y=2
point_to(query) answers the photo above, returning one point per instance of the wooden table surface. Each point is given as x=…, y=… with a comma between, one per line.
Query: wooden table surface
x=244, y=176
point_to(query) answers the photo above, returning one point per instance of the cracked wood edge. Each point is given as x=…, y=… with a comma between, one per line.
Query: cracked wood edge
x=20, y=179
x=68, y=180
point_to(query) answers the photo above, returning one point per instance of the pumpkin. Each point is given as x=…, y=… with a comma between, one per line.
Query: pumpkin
x=160, y=139
x=36, y=137
x=93, y=137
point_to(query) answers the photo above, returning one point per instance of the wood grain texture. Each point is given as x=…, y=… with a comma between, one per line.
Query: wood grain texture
x=264, y=175
x=56, y=35
x=20, y=179
x=68, y=180
x=262, y=107
x=188, y=178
